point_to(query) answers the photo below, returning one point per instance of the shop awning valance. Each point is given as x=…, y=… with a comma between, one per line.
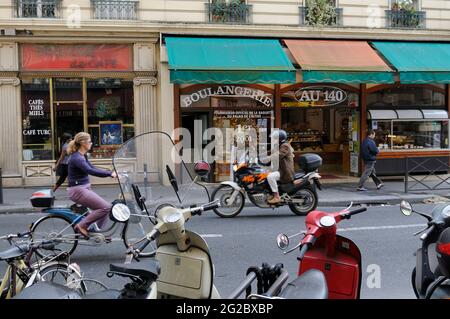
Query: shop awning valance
x=407, y=114
x=333, y=61
x=418, y=62
x=228, y=61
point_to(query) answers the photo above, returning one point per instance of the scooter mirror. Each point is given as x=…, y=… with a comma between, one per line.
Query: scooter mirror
x=202, y=168
x=120, y=213
x=282, y=241
x=406, y=208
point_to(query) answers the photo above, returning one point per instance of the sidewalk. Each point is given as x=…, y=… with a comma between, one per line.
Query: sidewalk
x=333, y=194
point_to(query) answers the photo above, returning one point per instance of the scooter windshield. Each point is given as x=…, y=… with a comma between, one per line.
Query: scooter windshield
x=151, y=171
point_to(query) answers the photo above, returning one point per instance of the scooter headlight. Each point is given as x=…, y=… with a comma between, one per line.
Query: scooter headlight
x=327, y=221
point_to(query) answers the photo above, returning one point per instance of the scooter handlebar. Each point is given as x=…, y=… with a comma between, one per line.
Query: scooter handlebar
x=354, y=212
x=209, y=206
x=303, y=251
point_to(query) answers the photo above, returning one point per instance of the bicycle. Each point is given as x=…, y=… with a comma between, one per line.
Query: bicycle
x=22, y=273
x=59, y=223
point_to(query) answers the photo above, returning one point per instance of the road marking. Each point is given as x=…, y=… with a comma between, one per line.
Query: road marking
x=381, y=227
x=211, y=235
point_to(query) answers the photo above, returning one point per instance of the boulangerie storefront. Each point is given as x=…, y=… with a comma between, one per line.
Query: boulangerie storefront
x=228, y=84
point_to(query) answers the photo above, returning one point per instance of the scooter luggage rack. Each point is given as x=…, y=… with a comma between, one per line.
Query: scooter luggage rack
x=258, y=273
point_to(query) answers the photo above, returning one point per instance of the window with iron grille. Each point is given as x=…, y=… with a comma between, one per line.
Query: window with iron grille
x=405, y=14
x=228, y=11
x=115, y=9
x=321, y=13
x=37, y=8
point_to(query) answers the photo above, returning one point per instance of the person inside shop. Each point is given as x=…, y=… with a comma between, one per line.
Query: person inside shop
x=61, y=163
x=286, y=171
x=80, y=190
x=369, y=151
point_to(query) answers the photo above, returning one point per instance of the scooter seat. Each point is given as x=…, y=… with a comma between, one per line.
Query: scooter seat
x=47, y=290
x=310, y=285
x=148, y=269
x=14, y=252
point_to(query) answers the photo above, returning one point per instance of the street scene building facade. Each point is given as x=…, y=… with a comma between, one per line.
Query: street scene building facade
x=325, y=74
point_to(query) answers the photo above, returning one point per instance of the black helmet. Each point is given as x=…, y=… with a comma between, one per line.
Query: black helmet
x=281, y=135
x=443, y=252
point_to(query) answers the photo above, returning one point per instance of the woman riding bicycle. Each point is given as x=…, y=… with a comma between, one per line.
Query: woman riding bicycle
x=79, y=189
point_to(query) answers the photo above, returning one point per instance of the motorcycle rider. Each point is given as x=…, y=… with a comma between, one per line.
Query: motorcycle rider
x=285, y=173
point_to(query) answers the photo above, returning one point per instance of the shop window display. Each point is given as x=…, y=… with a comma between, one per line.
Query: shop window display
x=109, y=106
x=320, y=119
x=36, y=120
x=411, y=135
x=110, y=114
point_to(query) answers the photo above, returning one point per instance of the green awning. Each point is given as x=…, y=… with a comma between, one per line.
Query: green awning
x=418, y=62
x=228, y=61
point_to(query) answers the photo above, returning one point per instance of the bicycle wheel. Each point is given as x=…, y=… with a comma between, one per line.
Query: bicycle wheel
x=54, y=227
x=135, y=230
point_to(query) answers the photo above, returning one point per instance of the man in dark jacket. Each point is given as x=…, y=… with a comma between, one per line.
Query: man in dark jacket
x=369, y=151
x=285, y=173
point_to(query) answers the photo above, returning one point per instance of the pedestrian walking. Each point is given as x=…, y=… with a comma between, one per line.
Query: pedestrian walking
x=61, y=166
x=369, y=151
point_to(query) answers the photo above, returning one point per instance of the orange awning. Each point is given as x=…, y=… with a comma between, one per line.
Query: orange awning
x=339, y=61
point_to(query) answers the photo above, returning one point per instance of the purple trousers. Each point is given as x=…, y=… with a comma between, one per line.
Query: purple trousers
x=84, y=195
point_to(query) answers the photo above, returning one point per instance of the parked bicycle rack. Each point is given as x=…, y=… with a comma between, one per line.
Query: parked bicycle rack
x=433, y=166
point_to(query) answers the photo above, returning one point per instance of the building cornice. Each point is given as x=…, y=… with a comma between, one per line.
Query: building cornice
x=148, y=31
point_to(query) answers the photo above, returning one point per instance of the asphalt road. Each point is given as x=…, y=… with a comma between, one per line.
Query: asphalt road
x=383, y=234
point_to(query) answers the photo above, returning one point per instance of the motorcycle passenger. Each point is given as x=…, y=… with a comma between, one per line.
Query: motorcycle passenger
x=79, y=187
x=285, y=173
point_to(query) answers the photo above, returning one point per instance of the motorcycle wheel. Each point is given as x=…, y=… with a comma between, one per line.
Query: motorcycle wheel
x=311, y=199
x=222, y=193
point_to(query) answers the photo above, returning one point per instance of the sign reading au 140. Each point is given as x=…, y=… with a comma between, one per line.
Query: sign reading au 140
x=321, y=95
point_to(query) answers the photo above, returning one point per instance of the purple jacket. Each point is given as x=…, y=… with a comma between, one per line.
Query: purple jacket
x=80, y=169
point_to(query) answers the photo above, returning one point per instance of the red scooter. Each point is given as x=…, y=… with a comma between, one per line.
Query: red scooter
x=337, y=257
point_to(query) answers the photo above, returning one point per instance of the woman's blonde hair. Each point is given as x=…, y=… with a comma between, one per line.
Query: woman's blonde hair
x=75, y=144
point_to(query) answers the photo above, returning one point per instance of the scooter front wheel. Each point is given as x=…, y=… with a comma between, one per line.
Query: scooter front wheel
x=228, y=209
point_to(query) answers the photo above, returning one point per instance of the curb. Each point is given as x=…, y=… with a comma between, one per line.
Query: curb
x=322, y=203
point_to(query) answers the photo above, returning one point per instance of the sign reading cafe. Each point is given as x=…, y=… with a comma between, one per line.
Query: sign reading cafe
x=227, y=90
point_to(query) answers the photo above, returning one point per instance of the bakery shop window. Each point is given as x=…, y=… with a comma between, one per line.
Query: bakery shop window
x=410, y=129
x=322, y=119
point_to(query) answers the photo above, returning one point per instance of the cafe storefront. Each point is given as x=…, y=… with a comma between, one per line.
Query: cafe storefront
x=70, y=88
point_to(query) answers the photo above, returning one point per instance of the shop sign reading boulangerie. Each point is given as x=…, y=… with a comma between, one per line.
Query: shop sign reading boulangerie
x=67, y=57
x=228, y=90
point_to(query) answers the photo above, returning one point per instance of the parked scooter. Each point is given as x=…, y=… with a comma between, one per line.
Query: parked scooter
x=251, y=180
x=430, y=277
x=321, y=248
